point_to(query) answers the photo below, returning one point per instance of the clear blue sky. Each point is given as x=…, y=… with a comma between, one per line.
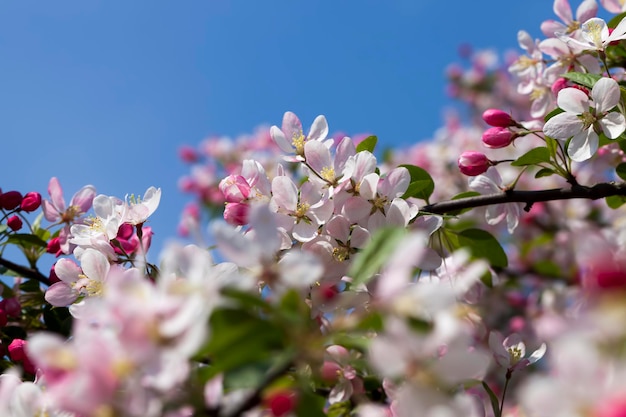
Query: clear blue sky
x=105, y=91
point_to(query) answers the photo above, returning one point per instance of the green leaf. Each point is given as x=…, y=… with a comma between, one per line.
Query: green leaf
x=26, y=240
x=615, y=20
x=483, y=245
x=367, y=144
x=341, y=409
x=615, y=201
x=495, y=403
x=553, y=113
x=544, y=172
x=421, y=185
x=375, y=255
x=621, y=170
x=552, y=146
x=587, y=79
x=239, y=338
x=534, y=156
x=310, y=405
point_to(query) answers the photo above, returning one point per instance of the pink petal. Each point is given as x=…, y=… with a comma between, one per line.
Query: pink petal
x=284, y=194
x=67, y=270
x=586, y=10
x=563, y=10
x=60, y=294
x=281, y=140
x=84, y=198
x=95, y=265
x=291, y=125
x=56, y=194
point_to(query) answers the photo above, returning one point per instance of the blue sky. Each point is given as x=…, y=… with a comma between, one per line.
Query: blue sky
x=104, y=92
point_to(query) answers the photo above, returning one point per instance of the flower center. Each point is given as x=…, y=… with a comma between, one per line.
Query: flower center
x=297, y=140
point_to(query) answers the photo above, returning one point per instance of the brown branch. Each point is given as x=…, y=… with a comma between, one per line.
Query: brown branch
x=25, y=272
x=595, y=192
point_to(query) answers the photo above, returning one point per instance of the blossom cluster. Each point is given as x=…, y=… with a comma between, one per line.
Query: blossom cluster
x=437, y=279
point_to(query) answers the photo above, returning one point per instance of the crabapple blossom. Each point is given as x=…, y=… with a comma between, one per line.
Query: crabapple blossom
x=490, y=183
x=584, y=118
x=498, y=118
x=138, y=210
x=510, y=353
x=595, y=34
x=290, y=137
x=586, y=10
x=498, y=137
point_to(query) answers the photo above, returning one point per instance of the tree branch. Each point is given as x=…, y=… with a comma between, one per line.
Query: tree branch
x=24, y=271
x=595, y=192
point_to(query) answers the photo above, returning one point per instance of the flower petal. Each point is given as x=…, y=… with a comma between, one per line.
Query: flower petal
x=613, y=125
x=583, y=145
x=605, y=94
x=563, y=126
x=573, y=100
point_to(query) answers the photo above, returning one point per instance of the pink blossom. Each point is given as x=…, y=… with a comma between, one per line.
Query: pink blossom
x=473, y=163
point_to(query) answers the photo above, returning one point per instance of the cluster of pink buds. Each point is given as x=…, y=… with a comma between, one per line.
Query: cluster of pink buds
x=13, y=201
x=499, y=135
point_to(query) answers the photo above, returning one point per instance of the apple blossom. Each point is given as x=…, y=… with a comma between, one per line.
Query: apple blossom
x=290, y=138
x=583, y=118
x=498, y=118
x=31, y=201
x=510, y=353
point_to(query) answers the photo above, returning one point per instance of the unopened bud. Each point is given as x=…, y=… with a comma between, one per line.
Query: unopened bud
x=31, y=201
x=281, y=402
x=498, y=118
x=10, y=200
x=498, y=137
x=473, y=163
x=236, y=213
x=15, y=223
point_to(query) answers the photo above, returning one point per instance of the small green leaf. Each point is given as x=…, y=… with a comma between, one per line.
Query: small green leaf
x=375, y=255
x=615, y=20
x=544, y=172
x=552, y=146
x=367, y=144
x=534, y=156
x=26, y=240
x=553, y=113
x=310, y=405
x=422, y=184
x=495, y=403
x=587, y=79
x=621, y=170
x=483, y=245
x=615, y=201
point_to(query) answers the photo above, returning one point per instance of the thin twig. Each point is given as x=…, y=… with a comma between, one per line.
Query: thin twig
x=25, y=272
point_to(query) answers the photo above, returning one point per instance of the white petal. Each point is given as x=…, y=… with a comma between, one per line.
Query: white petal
x=613, y=125
x=319, y=129
x=563, y=126
x=573, y=100
x=605, y=94
x=583, y=145
x=280, y=139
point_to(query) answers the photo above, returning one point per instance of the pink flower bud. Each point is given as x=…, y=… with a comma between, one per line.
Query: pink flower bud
x=473, y=163
x=558, y=85
x=3, y=318
x=12, y=306
x=10, y=200
x=498, y=137
x=236, y=213
x=17, y=353
x=53, y=277
x=281, y=402
x=235, y=188
x=188, y=154
x=498, y=118
x=31, y=201
x=15, y=223
x=54, y=246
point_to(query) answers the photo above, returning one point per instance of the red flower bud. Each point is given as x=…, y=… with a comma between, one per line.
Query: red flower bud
x=498, y=118
x=281, y=402
x=54, y=246
x=498, y=137
x=15, y=223
x=31, y=201
x=12, y=306
x=10, y=200
x=473, y=163
x=3, y=319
